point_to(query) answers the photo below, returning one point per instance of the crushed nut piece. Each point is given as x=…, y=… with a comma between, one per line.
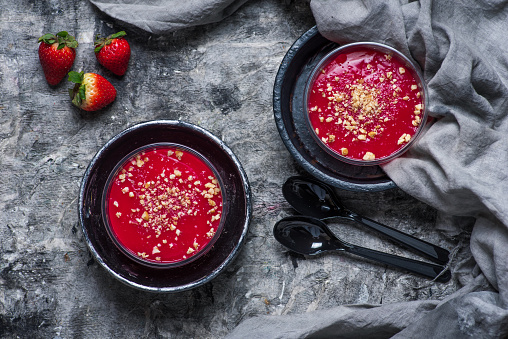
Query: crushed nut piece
x=369, y=156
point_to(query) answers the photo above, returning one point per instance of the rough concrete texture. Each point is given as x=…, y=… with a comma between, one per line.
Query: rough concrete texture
x=219, y=77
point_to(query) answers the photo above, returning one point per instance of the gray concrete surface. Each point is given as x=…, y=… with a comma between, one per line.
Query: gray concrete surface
x=220, y=77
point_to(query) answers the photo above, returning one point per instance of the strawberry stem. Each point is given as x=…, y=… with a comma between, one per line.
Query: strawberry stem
x=63, y=38
x=77, y=93
x=101, y=42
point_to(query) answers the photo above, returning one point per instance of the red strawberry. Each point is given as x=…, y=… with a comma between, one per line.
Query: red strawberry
x=91, y=92
x=113, y=52
x=57, y=54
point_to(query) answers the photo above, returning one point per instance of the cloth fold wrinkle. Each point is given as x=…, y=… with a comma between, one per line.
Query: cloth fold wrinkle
x=165, y=16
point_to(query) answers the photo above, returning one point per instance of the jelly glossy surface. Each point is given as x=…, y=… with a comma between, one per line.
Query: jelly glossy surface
x=164, y=205
x=365, y=104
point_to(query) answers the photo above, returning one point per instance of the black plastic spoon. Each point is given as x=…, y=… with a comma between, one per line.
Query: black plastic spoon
x=311, y=236
x=314, y=198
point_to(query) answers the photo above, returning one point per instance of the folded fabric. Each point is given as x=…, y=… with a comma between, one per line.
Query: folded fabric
x=460, y=165
x=163, y=16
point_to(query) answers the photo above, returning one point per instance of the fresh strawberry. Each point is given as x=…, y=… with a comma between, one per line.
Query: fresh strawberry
x=57, y=54
x=113, y=52
x=91, y=92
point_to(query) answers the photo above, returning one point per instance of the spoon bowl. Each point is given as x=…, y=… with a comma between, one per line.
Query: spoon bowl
x=305, y=235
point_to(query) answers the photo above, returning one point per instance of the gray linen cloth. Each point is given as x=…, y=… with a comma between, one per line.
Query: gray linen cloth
x=163, y=16
x=460, y=166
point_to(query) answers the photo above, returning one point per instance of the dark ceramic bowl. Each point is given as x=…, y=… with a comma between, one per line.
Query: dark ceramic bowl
x=204, y=268
x=409, y=66
x=129, y=252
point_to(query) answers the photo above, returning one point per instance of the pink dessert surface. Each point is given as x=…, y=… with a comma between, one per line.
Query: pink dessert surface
x=164, y=205
x=365, y=105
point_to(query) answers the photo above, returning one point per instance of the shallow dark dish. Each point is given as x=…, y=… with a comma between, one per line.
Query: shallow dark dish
x=288, y=93
x=172, y=279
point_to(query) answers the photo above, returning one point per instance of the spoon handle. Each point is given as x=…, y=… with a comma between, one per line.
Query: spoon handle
x=435, y=253
x=419, y=267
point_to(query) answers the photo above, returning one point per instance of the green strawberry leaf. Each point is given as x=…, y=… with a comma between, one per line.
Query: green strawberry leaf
x=76, y=77
x=72, y=44
x=117, y=35
x=101, y=42
x=63, y=38
x=77, y=94
x=46, y=38
x=81, y=92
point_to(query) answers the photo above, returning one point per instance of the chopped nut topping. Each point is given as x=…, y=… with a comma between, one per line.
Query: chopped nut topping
x=142, y=255
x=369, y=156
x=210, y=233
x=145, y=216
x=404, y=138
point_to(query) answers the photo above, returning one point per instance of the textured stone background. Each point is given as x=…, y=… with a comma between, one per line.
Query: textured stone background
x=220, y=77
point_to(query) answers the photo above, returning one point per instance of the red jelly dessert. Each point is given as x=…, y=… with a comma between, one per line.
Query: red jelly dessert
x=164, y=205
x=365, y=104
